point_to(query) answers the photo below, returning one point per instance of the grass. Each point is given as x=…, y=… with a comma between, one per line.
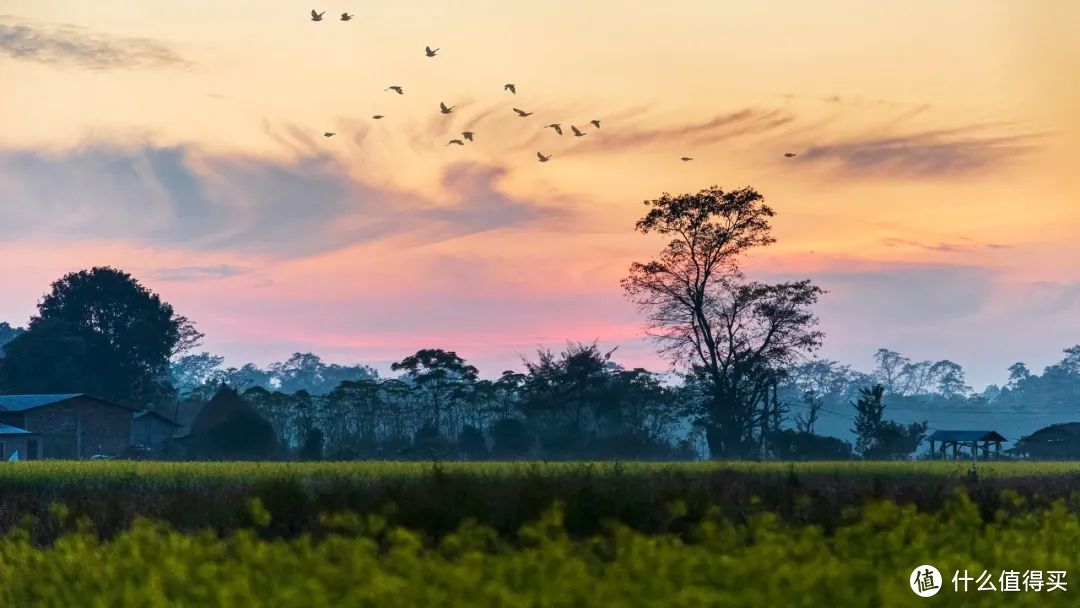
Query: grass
x=151, y=473
x=435, y=498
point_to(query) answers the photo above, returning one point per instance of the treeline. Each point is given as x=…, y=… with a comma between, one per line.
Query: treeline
x=748, y=384
x=577, y=404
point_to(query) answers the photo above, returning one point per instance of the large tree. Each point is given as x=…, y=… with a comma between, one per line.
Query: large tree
x=100, y=315
x=56, y=357
x=734, y=334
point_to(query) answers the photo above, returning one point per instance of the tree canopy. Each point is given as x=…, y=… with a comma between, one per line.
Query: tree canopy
x=99, y=317
x=734, y=334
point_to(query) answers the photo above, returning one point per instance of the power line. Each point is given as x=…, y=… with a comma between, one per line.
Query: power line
x=934, y=428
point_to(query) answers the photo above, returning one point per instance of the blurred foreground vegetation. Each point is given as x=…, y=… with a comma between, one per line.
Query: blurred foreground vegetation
x=363, y=561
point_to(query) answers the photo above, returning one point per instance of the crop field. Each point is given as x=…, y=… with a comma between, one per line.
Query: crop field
x=124, y=533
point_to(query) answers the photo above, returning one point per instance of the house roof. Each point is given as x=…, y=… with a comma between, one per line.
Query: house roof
x=7, y=429
x=21, y=403
x=965, y=436
x=146, y=413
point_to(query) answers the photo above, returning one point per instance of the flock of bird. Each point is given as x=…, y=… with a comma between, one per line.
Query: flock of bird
x=469, y=135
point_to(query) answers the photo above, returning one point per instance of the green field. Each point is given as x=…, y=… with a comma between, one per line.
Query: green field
x=506, y=534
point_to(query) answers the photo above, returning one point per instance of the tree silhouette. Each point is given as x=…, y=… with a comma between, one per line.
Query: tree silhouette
x=869, y=417
x=880, y=439
x=7, y=334
x=114, y=319
x=442, y=375
x=55, y=357
x=735, y=335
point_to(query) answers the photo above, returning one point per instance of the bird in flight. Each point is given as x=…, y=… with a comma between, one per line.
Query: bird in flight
x=687, y=158
x=378, y=116
x=595, y=123
x=456, y=142
x=511, y=88
x=468, y=135
x=328, y=134
x=522, y=113
x=430, y=52
x=577, y=133
x=543, y=158
x=346, y=17
x=789, y=154
x=444, y=109
x=395, y=88
x=317, y=16
x=556, y=126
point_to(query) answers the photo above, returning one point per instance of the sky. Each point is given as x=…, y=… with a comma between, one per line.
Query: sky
x=934, y=193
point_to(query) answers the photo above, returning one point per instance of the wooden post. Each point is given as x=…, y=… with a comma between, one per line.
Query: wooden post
x=932, y=452
x=78, y=435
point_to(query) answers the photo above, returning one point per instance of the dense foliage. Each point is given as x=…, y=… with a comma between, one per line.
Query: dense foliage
x=578, y=404
x=756, y=559
x=98, y=331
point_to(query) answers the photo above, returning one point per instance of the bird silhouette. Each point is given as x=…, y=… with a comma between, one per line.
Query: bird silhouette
x=328, y=134
x=395, y=88
x=455, y=141
x=444, y=109
x=577, y=133
x=346, y=17
x=686, y=158
x=789, y=154
x=468, y=135
x=317, y=16
x=430, y=52
x=522, y=113
x=543, y=158
x=378, y=116
x=556, y=126
x=595, y=123
x=511, y=88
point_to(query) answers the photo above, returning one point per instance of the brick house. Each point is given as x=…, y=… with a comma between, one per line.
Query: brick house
x=14, y=440
x=71, y=425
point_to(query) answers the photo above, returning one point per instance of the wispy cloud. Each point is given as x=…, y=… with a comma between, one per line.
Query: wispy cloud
x=637, y=133
x=197, y=273
x=181, y=197
x=962, y=244
x=68, y=45
x=963, y=151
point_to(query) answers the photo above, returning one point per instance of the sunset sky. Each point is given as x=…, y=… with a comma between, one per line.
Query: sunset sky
x=936, y=191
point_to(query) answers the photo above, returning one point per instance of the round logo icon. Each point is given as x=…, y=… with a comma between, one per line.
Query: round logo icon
x=925, y=580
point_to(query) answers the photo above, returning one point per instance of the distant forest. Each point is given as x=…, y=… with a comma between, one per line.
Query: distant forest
x=746, y=382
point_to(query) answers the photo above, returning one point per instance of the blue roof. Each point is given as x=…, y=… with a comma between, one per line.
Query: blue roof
x=21, y=403
x=965, y=436
x=7, y=429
